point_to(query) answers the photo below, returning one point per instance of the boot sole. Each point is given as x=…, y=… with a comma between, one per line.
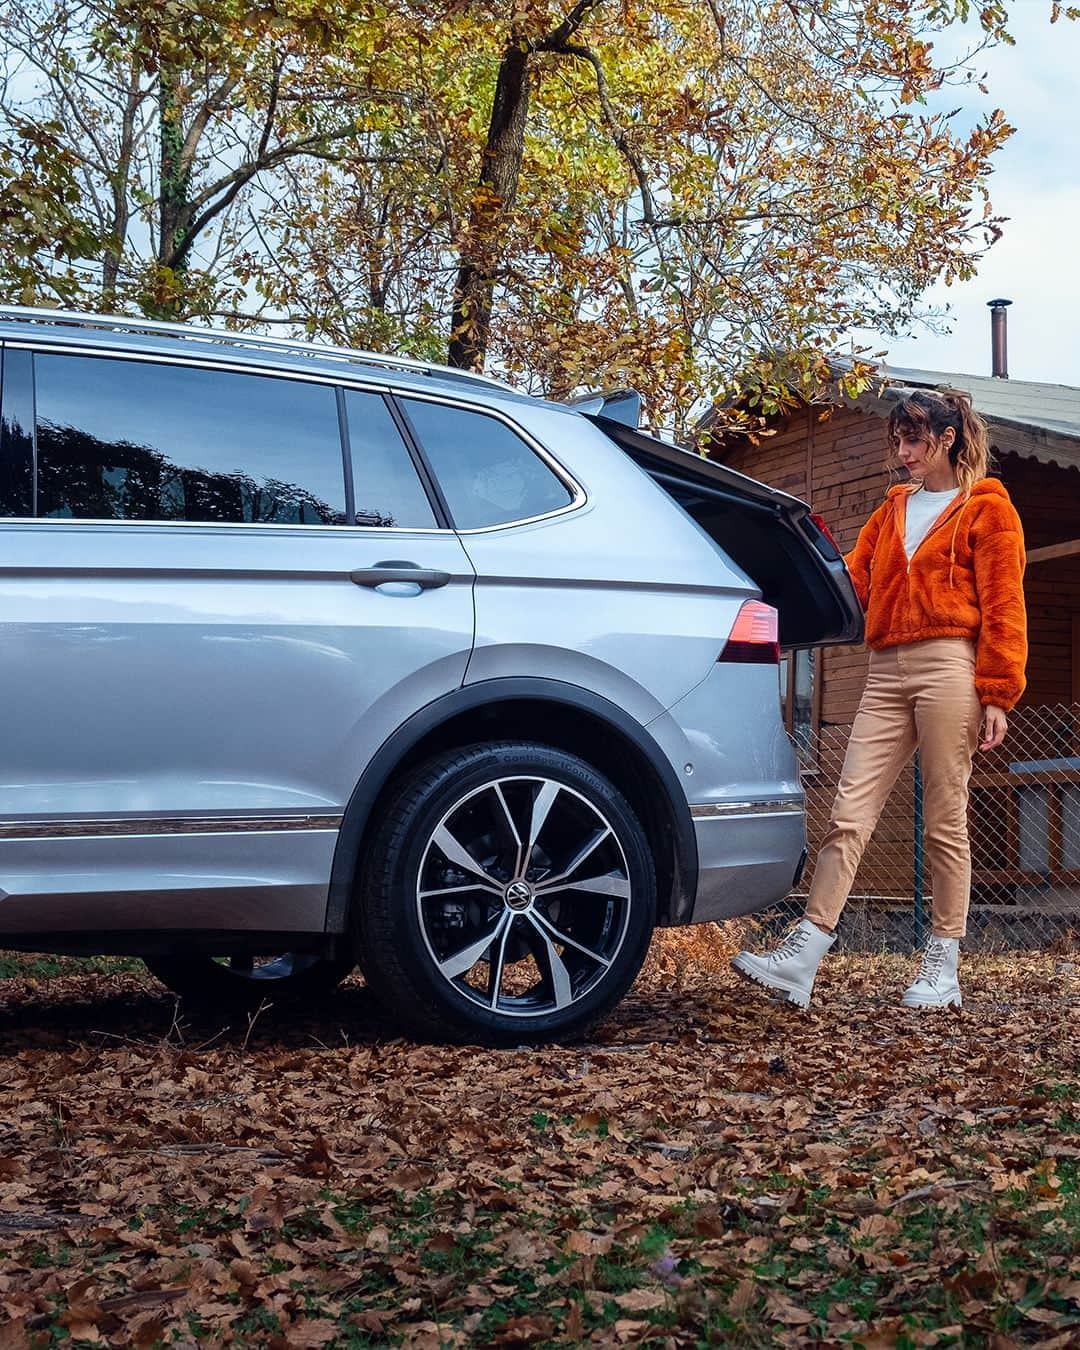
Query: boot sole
x=920, y=1006
x=800, y=999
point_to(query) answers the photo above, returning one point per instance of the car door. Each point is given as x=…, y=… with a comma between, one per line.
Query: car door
x=220, y=590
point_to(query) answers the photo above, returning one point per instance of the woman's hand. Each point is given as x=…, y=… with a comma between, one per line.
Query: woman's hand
x=994, y=727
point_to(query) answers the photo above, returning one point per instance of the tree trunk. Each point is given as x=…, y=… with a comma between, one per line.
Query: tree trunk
x=173, y=193
x=492, y=202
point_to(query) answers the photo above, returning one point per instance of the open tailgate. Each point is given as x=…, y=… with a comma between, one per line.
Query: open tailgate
x=770, y=535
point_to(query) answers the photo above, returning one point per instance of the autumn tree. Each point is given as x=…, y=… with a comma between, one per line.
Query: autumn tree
x=704, y=198
x=700, y=199
x=770, y=182
x=167, y=116
x=42, y=225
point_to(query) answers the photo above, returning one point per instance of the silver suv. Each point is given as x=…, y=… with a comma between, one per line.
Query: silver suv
x=314, y=658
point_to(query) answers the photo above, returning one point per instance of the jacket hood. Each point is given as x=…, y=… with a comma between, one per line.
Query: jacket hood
x=985, y=487
x=990, y=487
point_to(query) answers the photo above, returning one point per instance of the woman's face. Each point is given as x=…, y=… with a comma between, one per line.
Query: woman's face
x=915, y=454
x=920, y=454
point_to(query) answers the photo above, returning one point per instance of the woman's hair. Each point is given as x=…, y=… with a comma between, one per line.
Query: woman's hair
x=925, y=415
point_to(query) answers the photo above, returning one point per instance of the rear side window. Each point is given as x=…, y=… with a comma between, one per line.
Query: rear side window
x=386, y=489
x=135, y=440
x=488, y=475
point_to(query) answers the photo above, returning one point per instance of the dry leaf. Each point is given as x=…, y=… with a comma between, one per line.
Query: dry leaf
x=782, y=1309
x=378, y=1240
x=310, y=1334
x=641, y=1300
x=742, y=1298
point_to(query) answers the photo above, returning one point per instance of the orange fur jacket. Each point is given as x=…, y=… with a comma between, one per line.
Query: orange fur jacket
x=966, y=579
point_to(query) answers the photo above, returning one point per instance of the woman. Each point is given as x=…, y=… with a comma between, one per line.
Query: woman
x=939, y=571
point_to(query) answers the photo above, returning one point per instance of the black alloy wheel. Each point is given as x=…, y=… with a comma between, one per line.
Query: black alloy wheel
x=508, y=897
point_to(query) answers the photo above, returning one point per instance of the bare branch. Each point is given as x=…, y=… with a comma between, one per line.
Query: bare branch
x=618, y=134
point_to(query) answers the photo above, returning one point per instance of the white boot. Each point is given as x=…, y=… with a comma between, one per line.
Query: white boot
x=936, y=985
x=791, y=968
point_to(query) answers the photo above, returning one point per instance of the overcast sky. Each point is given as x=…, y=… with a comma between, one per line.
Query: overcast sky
x=1036, y=183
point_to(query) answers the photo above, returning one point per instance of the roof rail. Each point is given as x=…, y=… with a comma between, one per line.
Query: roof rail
x=118, y=323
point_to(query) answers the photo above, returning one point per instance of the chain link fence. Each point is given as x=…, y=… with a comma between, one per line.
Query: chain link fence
x=1024, y=822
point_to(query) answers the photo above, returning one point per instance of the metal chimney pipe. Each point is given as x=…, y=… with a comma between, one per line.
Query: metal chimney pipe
x=999, y=338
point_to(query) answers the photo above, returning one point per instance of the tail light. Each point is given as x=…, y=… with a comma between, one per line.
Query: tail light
x=833, y=552
x=755, y=635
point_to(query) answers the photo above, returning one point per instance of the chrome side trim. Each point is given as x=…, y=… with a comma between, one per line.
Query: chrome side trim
x=53, y=522
x=235, y=365
x=133, y=825
x=779, y=806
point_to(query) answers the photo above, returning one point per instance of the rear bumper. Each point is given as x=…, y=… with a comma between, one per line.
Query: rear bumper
x=749, y=854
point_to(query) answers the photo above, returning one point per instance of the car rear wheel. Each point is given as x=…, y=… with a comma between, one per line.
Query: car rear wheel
x=508, y=897
x=244, y=982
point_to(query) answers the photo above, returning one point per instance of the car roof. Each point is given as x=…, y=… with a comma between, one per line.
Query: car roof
x=116, y=335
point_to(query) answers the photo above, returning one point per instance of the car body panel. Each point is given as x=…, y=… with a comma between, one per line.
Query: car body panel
x=746, y=862
x=229, y=880
x=743, y=788
x=185, y=671
x=617, y=596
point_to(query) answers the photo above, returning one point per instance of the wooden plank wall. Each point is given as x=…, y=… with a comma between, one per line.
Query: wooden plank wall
x=1048, y=500
x=1046, y=496
x=1052, y=590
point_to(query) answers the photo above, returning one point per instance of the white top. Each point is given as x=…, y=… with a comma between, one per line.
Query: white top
x=923, y=508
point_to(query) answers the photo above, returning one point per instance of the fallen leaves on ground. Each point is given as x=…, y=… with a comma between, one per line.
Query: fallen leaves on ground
x=708, y=1168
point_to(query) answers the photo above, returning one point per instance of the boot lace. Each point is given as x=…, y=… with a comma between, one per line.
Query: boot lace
x=932, y=961
x=792, y=945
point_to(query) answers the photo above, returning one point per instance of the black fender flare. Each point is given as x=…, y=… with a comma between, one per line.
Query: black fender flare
x=396, y=747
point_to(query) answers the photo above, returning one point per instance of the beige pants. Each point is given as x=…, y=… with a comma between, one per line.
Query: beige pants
x=923, y=695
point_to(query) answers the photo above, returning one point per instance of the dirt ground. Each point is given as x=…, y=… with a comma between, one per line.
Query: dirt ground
x=709, y=1168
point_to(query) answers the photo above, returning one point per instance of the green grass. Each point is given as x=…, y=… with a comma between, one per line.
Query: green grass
x=44, y=966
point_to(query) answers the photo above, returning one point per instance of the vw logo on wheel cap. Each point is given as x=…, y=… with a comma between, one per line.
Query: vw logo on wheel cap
x=519, y=895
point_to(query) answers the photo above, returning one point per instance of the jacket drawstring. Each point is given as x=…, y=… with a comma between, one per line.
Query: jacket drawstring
x=952, y=543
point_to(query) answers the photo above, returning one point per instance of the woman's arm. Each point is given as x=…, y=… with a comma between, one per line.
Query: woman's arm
x=994, y=726
x=859, y=559
x=1001, y=651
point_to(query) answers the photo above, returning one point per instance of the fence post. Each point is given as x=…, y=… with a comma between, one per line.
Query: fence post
x=919, y=860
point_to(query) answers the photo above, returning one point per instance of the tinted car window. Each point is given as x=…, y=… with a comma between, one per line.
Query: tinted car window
x=16, y=434
x=386, y=488
x=488, y=474
x=134, y=440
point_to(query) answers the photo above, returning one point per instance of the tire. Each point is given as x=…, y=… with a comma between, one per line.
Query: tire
x=524, y=859
x=243, y=984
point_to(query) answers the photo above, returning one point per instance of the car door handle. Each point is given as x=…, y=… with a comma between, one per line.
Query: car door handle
x=395, y=570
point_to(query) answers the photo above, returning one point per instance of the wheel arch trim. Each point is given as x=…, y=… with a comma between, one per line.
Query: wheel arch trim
x=468, y=698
